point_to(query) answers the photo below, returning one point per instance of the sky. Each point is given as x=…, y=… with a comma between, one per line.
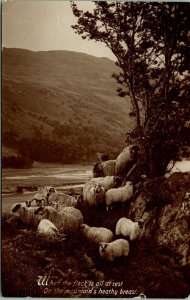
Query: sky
x=42, y=25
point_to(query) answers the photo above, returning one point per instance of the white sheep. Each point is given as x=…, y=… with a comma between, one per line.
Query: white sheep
x=128, y=228
x=44, y=193
x=107, y=182
x=93, y=194
x=26, y=214
x=126, y=159
x=67, y=219
x=96, y=234
x=16, y=207
x=104, y=168
x=120, y=194
x=94, y=190
x=61, y=199
x=117, y=248
x=47, y=228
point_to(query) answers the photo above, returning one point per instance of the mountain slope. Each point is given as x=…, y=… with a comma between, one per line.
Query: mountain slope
x=62, y=95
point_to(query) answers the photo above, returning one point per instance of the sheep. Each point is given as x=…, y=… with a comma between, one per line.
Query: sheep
x=36, y=202
x=107, y=182
x=47, y=228
x=61, y=200
x=104, y=168
x=120, y=194
x=26, y=214
x=96, y=234
x=16, y=206
x=117, y=248
x=48, y=231
x=67, y=219
x=94, y=190
x=94, y=195
x=126, y=159
x=128, y=228
x=44, y=193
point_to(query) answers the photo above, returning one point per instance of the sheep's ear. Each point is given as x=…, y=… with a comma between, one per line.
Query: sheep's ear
x=16, y=207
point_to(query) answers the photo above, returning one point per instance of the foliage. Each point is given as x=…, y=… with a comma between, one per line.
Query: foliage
x=150, y=43
x=16, y=162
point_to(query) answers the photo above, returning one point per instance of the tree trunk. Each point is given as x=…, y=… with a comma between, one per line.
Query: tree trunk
x=156, y=161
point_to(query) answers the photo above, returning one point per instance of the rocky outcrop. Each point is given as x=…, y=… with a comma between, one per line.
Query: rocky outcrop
x=164, y=204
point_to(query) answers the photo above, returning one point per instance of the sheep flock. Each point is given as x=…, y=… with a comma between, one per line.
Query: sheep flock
x=56, y=215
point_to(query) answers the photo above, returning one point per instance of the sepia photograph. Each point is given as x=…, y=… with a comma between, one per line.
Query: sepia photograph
x=95, y=178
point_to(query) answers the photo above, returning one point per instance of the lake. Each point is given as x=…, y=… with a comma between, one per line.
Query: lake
x=63, y=177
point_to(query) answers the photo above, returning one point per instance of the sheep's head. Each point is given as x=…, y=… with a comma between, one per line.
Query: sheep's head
x=28, y=203
x=99, y=189
x=141, y=224
x=44, y=192
x=42, y=212
x=97, y=170
x=104, y=157
x=134, y=151
x=50, y=191
x=129, y=184
x=103, y=246
x=117, y=181
x=16, y=207
x=83, y=226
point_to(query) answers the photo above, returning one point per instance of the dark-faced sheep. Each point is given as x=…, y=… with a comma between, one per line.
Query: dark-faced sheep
x=126, y=159
x=26, y=214
x=104, y=168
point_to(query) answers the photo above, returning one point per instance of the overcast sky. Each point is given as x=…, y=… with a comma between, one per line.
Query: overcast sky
x=45, y=25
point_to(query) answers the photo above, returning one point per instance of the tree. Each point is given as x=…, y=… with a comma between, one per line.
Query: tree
x=150, y=43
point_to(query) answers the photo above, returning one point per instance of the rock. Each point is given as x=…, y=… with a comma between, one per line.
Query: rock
x=164, y=204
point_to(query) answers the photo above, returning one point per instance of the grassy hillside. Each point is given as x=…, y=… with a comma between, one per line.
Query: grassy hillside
x=61, y=102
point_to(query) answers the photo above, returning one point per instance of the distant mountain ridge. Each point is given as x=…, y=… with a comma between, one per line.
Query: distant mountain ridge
x=68, y=98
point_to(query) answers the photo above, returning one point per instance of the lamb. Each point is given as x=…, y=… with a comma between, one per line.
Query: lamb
x=128, y=228
x=67, y=219
x=117, y=248
x=120, y=194
x=96, y=234
x=126, y=159
x=104, y=168
x=26, y=214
